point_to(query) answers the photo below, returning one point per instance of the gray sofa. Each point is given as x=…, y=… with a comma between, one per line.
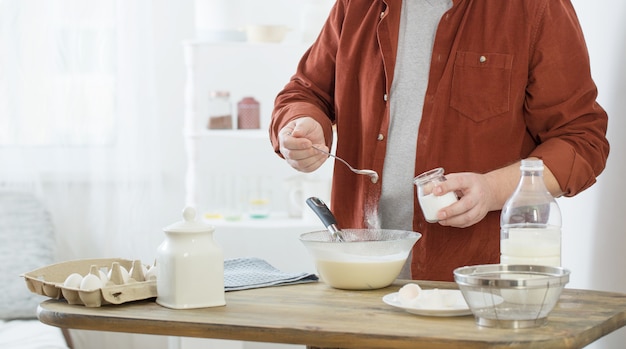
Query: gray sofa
x=27, y=242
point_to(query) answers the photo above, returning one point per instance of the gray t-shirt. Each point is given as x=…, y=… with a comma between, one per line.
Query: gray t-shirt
x=418, y=24
x=417, y=32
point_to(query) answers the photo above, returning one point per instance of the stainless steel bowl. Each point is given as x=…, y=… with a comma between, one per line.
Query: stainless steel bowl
x=511, y=296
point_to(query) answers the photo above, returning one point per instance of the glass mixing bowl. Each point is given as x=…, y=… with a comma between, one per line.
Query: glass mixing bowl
x=366, y=259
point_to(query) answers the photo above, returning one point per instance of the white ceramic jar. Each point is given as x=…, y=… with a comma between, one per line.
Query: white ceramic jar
x=190, y=266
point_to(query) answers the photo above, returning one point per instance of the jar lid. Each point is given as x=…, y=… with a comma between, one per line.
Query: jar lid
x=220, y=93
x=248, y=100
x=189, y=224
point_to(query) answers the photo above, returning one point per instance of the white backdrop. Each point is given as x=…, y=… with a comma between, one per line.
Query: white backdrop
x=593, y=222
x=95, y=221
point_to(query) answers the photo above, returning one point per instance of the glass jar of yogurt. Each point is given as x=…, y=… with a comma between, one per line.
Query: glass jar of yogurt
x=429, y=202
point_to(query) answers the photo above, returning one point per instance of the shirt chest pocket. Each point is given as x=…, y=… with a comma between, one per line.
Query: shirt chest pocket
x=481, y=84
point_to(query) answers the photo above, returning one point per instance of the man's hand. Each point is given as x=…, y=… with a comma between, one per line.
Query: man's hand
x=296, y=140
x=476, y=199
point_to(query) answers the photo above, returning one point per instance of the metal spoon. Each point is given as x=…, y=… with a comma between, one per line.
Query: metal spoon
x=328, y=219
x=373, y=174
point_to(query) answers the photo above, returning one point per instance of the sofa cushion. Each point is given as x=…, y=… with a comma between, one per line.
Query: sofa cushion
x=28, y=243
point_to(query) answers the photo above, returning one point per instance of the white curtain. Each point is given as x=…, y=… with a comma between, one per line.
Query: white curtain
x=77, y=109
x=78, y=125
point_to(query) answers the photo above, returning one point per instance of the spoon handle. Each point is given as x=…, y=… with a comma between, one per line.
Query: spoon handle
x=371, y=173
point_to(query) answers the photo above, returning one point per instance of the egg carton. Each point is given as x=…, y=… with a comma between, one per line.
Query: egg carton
x=50, y=281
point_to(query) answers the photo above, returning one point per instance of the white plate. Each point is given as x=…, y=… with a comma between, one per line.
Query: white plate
x=457, y=305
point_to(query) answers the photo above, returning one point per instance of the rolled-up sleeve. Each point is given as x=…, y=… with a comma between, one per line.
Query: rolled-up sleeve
x=561, y=109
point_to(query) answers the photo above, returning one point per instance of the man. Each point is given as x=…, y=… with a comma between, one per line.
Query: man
x=472, y=86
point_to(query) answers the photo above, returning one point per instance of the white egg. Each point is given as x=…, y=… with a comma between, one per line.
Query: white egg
x=433, y=299
x=408, y=293
x=90, y=282
x=73, y=280
x=122, y=272
x=152, y=273
x=139, y=274
x=103, y=277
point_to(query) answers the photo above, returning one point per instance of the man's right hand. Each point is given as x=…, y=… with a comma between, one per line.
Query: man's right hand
x=296, y=140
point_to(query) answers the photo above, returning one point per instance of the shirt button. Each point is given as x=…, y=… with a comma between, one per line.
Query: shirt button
x=382, y=14
x=381, y=137
x=482, y=59
x=385, y=97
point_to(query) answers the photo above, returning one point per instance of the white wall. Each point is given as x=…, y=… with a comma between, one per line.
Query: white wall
x=593, y=232
x=593, y=220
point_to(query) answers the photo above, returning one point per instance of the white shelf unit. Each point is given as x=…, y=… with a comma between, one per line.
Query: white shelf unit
x=223, y=164
x=259, y=70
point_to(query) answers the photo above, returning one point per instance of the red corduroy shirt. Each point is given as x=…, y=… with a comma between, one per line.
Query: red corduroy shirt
x=508, y=80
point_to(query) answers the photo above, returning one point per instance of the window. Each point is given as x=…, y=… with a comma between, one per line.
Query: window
x=57, y=73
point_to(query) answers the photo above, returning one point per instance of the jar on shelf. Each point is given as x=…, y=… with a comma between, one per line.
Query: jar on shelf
x=220, y=111
x=248, y=114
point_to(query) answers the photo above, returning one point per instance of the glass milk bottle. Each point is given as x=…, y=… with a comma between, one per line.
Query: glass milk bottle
x=531, y=221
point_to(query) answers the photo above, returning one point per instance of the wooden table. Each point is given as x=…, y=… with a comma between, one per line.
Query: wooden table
x=317, y=315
